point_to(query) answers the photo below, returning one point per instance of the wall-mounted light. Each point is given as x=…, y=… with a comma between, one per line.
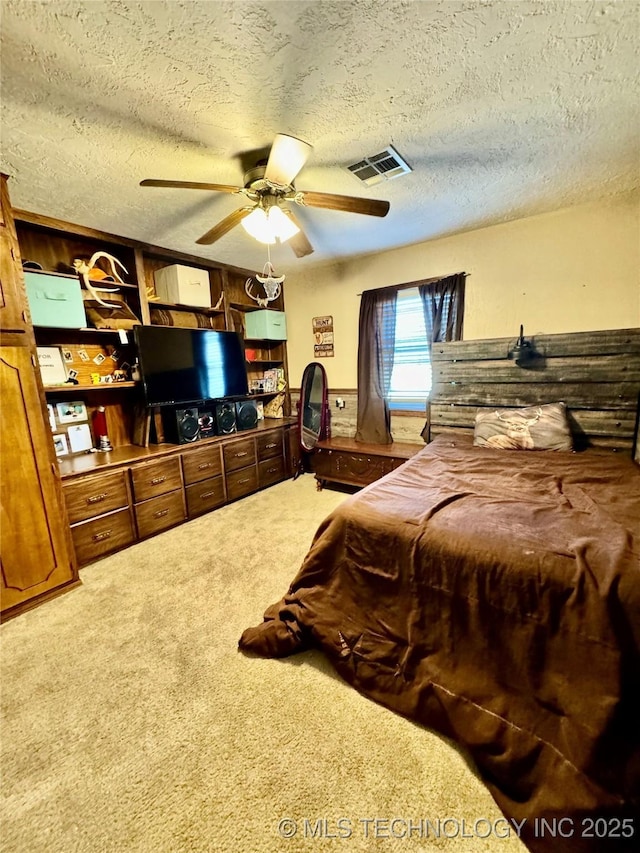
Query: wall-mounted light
x=523, y=352
x=270, y=224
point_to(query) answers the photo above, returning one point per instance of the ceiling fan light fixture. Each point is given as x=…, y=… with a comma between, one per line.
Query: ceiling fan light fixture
x=269, y=226
x=288, y=155
x=257, y=225
x=282, y=226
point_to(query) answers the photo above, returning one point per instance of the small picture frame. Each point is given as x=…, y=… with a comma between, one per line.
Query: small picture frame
x=52, y=417
x=79, y=436
x=60, y=444
x=70, y=413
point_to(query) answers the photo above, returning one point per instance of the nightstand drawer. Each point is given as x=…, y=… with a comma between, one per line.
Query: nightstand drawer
x=201, y=464
x=239, y=454
x=271, y=471
x=156, y=478
x=269, y=445
x=240, y=483
x=206, y=495
x=95, y=496
x=157, y=514
x=94, y=539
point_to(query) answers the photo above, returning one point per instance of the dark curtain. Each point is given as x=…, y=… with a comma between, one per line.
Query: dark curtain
x=443, y=306
x=376, y=340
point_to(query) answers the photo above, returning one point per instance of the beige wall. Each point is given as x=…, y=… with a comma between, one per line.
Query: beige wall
x=573, y=270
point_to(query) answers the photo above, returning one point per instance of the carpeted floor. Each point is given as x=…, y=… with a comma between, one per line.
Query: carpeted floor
x=130, y=722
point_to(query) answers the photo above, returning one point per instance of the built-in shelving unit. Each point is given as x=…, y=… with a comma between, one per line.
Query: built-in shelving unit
x=70, y=508
x=94, y=353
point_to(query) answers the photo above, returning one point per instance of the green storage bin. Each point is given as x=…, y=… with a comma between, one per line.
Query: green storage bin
x=55, y=300
x=267, y=325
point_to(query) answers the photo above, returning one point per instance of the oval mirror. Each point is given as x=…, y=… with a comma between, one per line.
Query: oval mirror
x=313, y=407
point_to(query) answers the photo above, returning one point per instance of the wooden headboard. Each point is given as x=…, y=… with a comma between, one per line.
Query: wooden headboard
x=597, y=374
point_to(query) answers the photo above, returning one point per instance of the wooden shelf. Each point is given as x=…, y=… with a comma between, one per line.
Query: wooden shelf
x=266, y=394
x=57, y=330
x=101, y=386
x=244, y=306
x=178, y=306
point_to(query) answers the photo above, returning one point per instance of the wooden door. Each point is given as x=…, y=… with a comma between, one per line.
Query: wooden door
x=36, y=554
x=13, y=313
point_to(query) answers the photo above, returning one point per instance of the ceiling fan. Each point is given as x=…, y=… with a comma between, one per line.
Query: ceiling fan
x=269, y=185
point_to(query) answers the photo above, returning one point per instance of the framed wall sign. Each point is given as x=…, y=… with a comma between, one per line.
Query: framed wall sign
x=323, y=337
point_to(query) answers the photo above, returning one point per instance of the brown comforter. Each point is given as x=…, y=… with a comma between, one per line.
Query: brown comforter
x=495, y=596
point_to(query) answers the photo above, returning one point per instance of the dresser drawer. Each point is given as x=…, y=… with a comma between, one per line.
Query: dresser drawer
x=156, y=478
x=358, y=467
x=239, y=454
x=157, y=514
x=269, y=445
x=206, y=495
x=201, y=464
x=270, y=471
x=95, y=538
x=95, y=495
x=391, y=464
x=240, y=483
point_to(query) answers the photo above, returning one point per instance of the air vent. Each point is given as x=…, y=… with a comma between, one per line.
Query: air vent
x=379, y=167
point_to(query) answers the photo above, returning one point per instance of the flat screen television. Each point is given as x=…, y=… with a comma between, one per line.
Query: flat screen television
x=190, y=365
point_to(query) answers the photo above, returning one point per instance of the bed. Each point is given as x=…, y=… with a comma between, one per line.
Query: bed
x=493, y=595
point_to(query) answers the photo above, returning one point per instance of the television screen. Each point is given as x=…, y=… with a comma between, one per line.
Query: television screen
x=188, y=365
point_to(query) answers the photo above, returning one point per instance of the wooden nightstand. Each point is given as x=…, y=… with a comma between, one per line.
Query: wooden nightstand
x=356, y=463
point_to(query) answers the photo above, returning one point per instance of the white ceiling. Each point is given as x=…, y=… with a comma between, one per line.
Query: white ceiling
x=503, y=109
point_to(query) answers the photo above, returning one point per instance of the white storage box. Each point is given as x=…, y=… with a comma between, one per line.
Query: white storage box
x=183, y=285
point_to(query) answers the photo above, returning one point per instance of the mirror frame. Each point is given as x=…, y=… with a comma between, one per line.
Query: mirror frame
x=308, y=380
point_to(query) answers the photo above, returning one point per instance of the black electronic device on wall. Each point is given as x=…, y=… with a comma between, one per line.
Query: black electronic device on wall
x=190, y=366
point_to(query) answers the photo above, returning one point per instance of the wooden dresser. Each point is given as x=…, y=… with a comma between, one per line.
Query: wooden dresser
x=356, y=463
x=139, y=492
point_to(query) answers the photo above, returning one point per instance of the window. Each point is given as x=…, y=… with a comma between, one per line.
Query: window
x=411, y=374
x=394, y=364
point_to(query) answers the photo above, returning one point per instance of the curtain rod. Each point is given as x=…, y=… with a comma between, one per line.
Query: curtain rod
x=407, y=284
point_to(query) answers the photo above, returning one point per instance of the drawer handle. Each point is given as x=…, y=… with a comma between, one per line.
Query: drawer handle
x=97, y=498
x=160, y=513
x=242, y=482
x=272, y=470
x=98, y=537
x=269, y=446
x=206, y=465
x=156, y=480
x=207, y=495
x=244, y=453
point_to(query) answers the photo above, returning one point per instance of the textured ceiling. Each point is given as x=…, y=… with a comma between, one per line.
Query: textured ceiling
x=503, y=109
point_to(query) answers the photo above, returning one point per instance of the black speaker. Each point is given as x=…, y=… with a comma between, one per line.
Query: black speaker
x=246, y=414
x=187, y=426
x=206, y=423
x=225, y=414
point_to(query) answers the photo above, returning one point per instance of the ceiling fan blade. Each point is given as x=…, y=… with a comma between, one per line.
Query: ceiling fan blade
x=299, y=242
x=288, y=155
x=350, y=204
x=224, y=226
x=190, y=185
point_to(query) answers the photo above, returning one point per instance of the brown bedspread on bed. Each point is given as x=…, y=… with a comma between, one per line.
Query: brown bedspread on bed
x=494, y=596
